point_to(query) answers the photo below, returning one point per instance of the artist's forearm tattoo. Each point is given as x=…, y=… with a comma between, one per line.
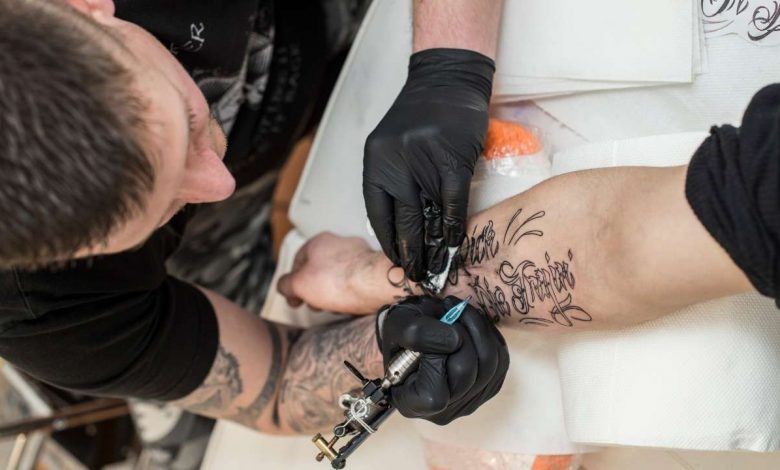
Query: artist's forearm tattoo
x=222, y=385
x=315, y=376
x=248, y=415
x=535, y=292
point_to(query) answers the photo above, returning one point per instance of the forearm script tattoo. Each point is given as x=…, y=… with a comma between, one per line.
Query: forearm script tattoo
x=520, y=288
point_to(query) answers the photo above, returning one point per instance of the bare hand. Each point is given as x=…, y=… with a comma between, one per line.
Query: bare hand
x=326, y=275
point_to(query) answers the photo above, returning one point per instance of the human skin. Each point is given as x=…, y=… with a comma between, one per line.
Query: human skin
x=602, y=248
x=265, y=376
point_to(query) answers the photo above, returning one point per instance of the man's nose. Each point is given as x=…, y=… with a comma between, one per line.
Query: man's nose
x=206, y=179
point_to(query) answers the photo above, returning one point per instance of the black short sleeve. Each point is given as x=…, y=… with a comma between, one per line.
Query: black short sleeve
x=733, y=186
x=115, y=325
x=157, y=345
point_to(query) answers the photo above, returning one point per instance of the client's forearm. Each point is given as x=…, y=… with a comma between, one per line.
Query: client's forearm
x=592, y=249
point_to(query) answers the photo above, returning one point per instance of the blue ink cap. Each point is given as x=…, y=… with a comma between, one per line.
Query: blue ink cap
x=454, y=313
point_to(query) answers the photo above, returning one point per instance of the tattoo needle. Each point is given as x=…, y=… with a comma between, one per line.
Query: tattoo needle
x=454, y=313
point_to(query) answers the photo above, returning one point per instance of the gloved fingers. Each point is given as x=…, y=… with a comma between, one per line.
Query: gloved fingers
x=380, y=208
x=436, y=255
x=462, y=368
x=470, y=406
x=455, y=185
x=488, y=343
x=428, y=335
x=409, y=222
x=432, y=215
x=426, y=391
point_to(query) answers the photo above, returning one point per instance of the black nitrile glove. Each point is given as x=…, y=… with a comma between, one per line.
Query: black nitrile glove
x=462, y=366
x=419, y=160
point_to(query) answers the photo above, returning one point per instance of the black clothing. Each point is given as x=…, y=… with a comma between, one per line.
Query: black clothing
x=119, y=324
x=733, y=186
x=111, y=325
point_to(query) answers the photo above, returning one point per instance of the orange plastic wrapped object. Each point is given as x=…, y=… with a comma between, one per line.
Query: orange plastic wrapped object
x=505, y=139
x=441, y=456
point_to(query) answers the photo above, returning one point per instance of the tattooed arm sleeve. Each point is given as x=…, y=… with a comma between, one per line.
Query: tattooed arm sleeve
x=592, y=249
x=278, y=380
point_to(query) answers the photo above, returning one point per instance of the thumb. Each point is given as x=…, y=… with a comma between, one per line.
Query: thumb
x=285, y=287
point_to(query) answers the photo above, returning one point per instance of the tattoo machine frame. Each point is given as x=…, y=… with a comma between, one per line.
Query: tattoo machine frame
x=366, y=410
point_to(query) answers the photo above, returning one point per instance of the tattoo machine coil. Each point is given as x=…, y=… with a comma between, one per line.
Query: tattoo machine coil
x=367, y=410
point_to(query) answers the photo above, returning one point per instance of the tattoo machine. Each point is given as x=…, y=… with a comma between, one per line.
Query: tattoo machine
x=367, y=410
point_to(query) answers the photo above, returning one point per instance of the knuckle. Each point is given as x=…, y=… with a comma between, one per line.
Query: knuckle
x=411, y=333
x=432, y=402
x=458, y=369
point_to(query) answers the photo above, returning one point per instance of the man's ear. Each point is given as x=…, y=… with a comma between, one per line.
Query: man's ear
x=91, y=7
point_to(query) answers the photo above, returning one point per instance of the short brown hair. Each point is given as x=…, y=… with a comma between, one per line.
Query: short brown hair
x=72, y=166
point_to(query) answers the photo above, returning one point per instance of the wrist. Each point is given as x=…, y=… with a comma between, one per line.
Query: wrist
x=455, y=67
x=368, y=280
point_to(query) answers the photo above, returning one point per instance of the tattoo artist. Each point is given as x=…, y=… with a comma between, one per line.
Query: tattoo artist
x=103, y=157
x=417, y=171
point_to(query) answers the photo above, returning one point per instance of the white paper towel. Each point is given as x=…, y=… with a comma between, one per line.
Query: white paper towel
x=705, y=378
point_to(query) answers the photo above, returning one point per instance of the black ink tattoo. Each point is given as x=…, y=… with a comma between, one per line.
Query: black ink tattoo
x=221, y=386
x=515, y=238
x=530, y=285
x=249, y=415
x=491, y=300
x=519, y=289
x=315, y=377
x=481, y=247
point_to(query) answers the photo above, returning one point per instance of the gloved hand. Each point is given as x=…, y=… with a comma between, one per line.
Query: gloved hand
x=419, y=160
x=462, y=366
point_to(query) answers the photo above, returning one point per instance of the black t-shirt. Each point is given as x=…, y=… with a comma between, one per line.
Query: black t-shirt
x=119, y=324
x=733, y=186
x=111, y=325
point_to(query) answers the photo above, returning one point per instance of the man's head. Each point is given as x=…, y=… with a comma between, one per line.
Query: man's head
x=103, y=135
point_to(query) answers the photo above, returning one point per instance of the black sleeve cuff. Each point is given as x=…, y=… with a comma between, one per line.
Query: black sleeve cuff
x=733, y=187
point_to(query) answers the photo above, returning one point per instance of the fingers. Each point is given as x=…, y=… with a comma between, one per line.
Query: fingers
x=467, y=407
x=285, y=287
x=487, y=342
x=425, y=392
x=409, y=224
x=455, y=185
x=462, y=368
x=381, y=213
x=436, y=255
x=286, y=283
x=429, y=335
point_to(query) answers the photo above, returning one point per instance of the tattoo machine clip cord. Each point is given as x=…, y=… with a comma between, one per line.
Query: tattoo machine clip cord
x=368, y=409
